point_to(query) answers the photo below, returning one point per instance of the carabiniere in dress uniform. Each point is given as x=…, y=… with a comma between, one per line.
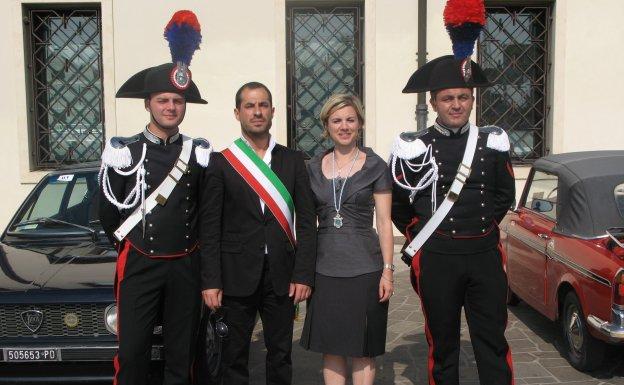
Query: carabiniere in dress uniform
x=453, y=184
x=472, y=223
x=151, y=196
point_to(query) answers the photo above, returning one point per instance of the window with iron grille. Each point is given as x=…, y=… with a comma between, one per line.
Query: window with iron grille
x=514, y=53
x=65, y=99
x=324, y=57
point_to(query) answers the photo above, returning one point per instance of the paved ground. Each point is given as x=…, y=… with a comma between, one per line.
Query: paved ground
x=534, y=341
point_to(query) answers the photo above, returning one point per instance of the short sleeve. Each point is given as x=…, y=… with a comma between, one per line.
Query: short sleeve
x=383, y=182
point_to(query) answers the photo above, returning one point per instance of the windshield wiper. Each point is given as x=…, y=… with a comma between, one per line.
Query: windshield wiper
x=45, y=220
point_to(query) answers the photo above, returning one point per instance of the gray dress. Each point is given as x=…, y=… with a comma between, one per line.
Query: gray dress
x=344, y=316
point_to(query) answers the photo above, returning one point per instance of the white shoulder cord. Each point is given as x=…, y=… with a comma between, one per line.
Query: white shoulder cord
x=430, y=177
x=138, y=191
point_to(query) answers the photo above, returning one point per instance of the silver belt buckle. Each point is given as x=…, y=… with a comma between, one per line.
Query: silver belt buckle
x=161, y=200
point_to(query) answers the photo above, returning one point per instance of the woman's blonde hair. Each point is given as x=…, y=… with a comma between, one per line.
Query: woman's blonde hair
x=335, y=103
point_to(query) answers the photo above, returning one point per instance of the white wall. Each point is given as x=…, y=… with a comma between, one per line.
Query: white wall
x=588, y=67
x=391, y=47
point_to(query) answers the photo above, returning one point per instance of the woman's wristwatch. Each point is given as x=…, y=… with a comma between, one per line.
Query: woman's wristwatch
x=389, y=266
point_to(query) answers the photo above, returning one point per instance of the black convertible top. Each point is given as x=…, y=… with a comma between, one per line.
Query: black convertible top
x=586, y=202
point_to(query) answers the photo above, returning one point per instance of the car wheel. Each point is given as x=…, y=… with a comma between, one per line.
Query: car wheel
x=512, y=298
x=584, y=352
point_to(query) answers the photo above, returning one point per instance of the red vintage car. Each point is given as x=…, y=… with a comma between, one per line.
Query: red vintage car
x=565, y=249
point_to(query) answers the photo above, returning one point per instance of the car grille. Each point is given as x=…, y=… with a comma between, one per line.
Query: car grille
x=90, y=320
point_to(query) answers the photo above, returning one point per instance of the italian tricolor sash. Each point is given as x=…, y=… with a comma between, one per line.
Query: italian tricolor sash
x=264, y=182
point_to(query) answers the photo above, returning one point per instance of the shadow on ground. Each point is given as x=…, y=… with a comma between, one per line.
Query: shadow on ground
x=546, y=333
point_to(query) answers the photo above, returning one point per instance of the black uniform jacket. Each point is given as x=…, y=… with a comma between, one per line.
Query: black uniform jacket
x=170, y=230
x=472, y=223
x=234, y=252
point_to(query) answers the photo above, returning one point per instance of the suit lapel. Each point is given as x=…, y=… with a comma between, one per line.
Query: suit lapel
x=253, y=200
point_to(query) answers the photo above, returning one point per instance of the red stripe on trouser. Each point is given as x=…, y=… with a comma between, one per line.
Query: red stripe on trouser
x=116, y=367
x=120, y=270
x=122, y=258
x=430, y=362
x=503, y=254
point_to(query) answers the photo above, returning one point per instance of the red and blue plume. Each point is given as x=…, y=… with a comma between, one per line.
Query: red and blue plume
x=183, y=33
x=464, y=20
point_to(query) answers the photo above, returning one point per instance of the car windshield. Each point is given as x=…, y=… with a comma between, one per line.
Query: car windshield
x=542, y=194
x=66, y=202
x=619, y=198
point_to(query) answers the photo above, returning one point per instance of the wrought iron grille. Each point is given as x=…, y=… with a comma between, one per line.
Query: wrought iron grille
x=514, y=52
x=66, y=109
x=324, y=56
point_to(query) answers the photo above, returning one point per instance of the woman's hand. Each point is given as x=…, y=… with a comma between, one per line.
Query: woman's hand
x=386, y=285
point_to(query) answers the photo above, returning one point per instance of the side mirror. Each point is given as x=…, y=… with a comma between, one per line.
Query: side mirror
x=541, y=205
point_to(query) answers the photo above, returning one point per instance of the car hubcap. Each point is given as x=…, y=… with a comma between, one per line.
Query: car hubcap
x=575, y=334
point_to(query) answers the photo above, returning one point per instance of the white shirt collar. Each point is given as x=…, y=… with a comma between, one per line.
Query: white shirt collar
x=267, y=154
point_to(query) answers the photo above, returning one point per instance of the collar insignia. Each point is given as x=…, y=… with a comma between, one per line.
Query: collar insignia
x=156, y=140
x=446, y=132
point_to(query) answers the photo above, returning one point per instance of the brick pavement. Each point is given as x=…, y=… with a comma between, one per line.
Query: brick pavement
x=534, y=340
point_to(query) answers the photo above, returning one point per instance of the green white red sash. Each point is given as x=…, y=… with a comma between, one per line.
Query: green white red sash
x=264, y=182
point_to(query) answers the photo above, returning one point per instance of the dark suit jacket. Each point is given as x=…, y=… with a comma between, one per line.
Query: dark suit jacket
x=236, y=230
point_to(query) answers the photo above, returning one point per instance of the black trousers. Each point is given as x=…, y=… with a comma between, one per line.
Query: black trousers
x=477, y=282
x=143, y=286
x=277, y=313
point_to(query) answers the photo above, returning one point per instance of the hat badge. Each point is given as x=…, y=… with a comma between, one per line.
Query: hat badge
x=180, y=76
x=466, y=69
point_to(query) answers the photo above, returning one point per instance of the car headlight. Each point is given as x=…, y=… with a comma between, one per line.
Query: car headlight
x=110, y=318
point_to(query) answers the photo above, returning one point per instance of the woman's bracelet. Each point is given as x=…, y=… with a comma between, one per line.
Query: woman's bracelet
x=389, y=280
x=388, y=266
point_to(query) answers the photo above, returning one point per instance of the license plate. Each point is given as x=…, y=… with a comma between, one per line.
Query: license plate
x=28, y=355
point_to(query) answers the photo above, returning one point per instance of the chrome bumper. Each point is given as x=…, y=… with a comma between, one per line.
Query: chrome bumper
x=614, y=331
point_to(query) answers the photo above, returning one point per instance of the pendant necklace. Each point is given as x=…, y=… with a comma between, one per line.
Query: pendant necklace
x=337, y=202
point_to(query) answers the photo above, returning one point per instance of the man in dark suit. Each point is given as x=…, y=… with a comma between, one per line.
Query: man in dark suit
x=251, y=263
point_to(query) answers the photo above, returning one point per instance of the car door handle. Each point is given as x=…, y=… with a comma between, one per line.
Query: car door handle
x=543, y=236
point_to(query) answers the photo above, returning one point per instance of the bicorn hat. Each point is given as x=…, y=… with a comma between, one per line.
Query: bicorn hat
x=445, y=72
x=464, y=20
x=183, y=33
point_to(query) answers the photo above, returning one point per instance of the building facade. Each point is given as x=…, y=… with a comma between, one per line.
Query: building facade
x=556, y=65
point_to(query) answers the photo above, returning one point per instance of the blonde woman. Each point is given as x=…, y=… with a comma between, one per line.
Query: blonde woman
x=347, y=314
